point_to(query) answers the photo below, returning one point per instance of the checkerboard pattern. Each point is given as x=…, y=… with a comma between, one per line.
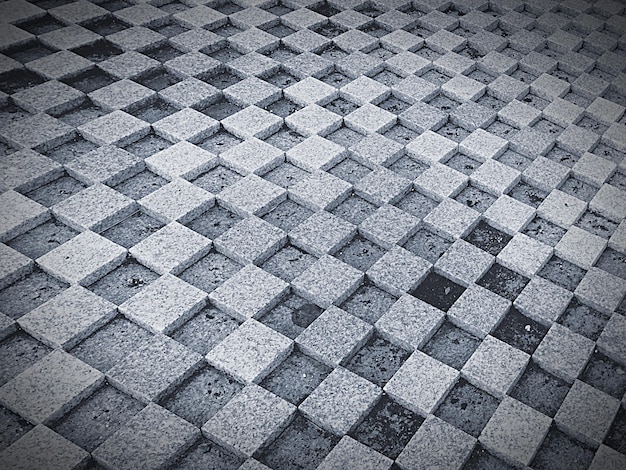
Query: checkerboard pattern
x=313, y=234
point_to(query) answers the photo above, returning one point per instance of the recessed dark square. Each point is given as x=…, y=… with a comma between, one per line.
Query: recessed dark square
x=540, y=390
x=12, y=427
x=90, y=80
x=547, y=127
x=292, y=315
x=296, y=377
x=154, y=111
x=281, y=79
x=427, y=245
x=401, y=134
x=467, y=408
x=578, y=189
x=206, y=454
x=336, y=79
x=325, y=9
x=451, y=345
x=56, y=191
x=369, y=303
x=443, y=103
x=43, y=24
x=488, y=238
x=140, y=185
x=285, y=139
x=544, y=231
x=115, y=340
x=114, y=5
x=528, y=194
x=210, y=272
x=28, y=52
x=562, y=156
x=221, y=109
x=345, y=136
x=463, y=163
x=503, y=281
x=227, y=30
x=301, y=445
x=205, y=330
x=281, y=54
x=219, y=142
x=475, y=198
x=18, y=352
x=80, y=114
x=616, y=437
x=374, y=29
x=505, y=131
x=605, y=374
x=520, y=331
x=105, y=25
x=18, y=80
x=123, y=282
x=98, y=51
x=98, y=417
x=287, y=215
x=360, y=253
x=369, y=10
x=559, y=451
x=71, y=150
x=157, y=79
x=415, y=203
x=613, y=262
x=388, y=428
x=220, y=80
x=453, y=132
x=278, y=9
x=562, y=273
x=408, y=167
x=388, y=78
x=228, y=8
x=350, y=170
x=618, y=179
x=285, y=175
x=133, y=229
x=162, y=52
x=216, y=179
x=10, y=113
x=334, y=53
x=341, y=106
x=329, y=29
x=394, y=105
x=480, y=459
x=280, y=30
x=489, y=101
x=29, y=292
x=198, y=398
x=43, y=238
x=584, y=320
x=438, y=291
x=214, y=222
x=225, y=54
x=288, y=263
x=283, y=107
x=378, y=360
x=596, y=224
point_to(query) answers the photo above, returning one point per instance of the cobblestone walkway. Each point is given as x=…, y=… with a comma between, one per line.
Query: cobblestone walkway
x=303, y=234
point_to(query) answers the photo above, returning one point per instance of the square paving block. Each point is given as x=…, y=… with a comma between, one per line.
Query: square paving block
x=545, y=174
x=50, y=387
x=49, y=97
x=563, y=352
x=495, y=177
x=68, y=318
x=83, y=259
x=593, y=169
x=334, y=336
x=464, y=263
x=509, y=215
x=311, y=91
x=154, y=438
x=322, y=233
x=389, y=226
x=127, y=65
x=612, y=340
x=580, y=247
x=482, y=145
x=249, y=293
x=441, y=181
x=431, y=148
x=515, y=432
x=463, y=88
x=252, y=156
x=451, y=219
x=108, y=165
x=364, y=90
x=601, y=290
x=518, y=114
x=116, y=128
x=436, y=444
x=340, y=401
x=178, y=200
x=181, y=160
x=187, y=124
x=382, y=186
x=524, y=255
x=328, y=281
x=587, y=413
x=171, y=249
x=495, y=366
x=352, y=455
x=19, y=214
x=189, y=92
x=27, y=170
x=252, y=195
x=43, y=448
x=542, y=300
x=610, y=202
x=320, y=190
x=313, y=119
x=607, y=458
x=421, y=383
x=250, y=352
x=120, y=95
x=251, y=240
x=13, y=265
x=251, y=91
x=252, y=122
x=36, y=130
x=369, y=118
x=478, y=311
x=152, y=369
x=398, y=271
x=316, y=153
x=164, y=305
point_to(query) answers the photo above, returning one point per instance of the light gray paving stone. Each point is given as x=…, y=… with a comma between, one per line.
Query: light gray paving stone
x=614, y=136
x=515, y=432
x=618, y=239
x=308, y=64
x=305, y=40
x=252, y=16
x=252, y=156
x=322, y=233
x=389, y=226
x=251, y=419
x=314, y=119
x=606, y=457
x=605, y=111
x=164, y=305
x=368, y=118
x=431, y=147
x=69, y=37
x=181, y=160
x=153, y=369
x=507, y=88
x=316, y=153
x=252, y=121
x=593, y=169
x=252, y=464
x=311, y=91
x=440, y=181
x=422, y=117
x=50, y=387
x=518, y=114
x=545, y=174
x=482, y=145
x=59, y=65
x=14, y=36
x=192, y=40
x=525, y=255
x=83, y=259
x=531, y=142
x=128, y=65
x=189, y=92
x=178, y=200
x=563, y=352
x=186, y=124
x=116, y=128
x=135, y=38
x=352, y=455
x=107, y=164
x=436, y=444
x=601, y=290
x=495, y=177
x=562, y=112
x=421, y=383
x=509, y=215
x=142, y=15
x=334, y=336
x=252, y=195
x=451, y=219
x=250, y=352
x=44, y=449
x=36, y=130
x=319, y=191
x=410, y=322
x=49, y=97
x=382, y=186
x=577, y=139
x=154, y=438
x=121, y=95
x=68, y=318
x=415, y=89
x=452, y=63
x=610, y=202
x=364, y=90
x=463, y=88
x=340, y=401
x=252, y=240
x=400, y=40
x=95, y=208
x=464, y=263
x=497, y=63
x=580, y=247
x=252, y=91
x=611, y=341
x=78, y=12
x=18, y=214
x=561, y=208
x=200, y=16
x=192, y=64
x=13, y=265
x=249, y=293
x=542, y=300
x=398, y=271
x=478, y=311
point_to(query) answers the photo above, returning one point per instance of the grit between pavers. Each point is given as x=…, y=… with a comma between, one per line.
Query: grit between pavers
x=362, y=148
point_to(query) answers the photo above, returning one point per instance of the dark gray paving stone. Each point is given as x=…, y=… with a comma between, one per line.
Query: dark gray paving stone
x=584, y=320
x=540, y=390
x=438, y=291
x=528, y=194
x=12, y=427
x=216, y=179
x=56, y=191
x=616, y=437
x=559, y=452
x=354, y=209
x=17, y=353
x=605, y=374
x=408, y=167
x=360, y=253
x=140, y=185
x=147, y=146
x=29, y=292
x=451, y=345
x=503, y=281
x=291, y=316
x=123, y=282
x=287, y=215
x=214, y=222
x=219, y=142
x=596, y=224
x=480, y=459
x=133, y=229
x=520, y=331
x=207, y=455
x=288, y=263
x=210, y=272
x=544, y=231
x=562, y=273
x=427, y=245
x=369, y=303
x=42, y=239
x=475, y=198
x=378, y=360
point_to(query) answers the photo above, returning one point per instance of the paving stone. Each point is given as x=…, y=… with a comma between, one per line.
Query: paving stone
x=451, y=219
x=464, y=263
x=349, y=453
x=108, y=165
x=440, y=181
x=322, y=233
x=509, y=215
x=601, y=290
x=252, y=240
x=398, y=271
x=178, y=200
x=181, y=160
x=316, y=153
x=543, y=300
x=252, y=195
x=389, y=226
x=116, y=128
x=19, y=214
x=320, y=190
x=610, y=341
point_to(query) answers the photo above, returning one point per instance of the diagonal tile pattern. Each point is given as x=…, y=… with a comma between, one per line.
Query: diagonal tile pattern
x=313, y=234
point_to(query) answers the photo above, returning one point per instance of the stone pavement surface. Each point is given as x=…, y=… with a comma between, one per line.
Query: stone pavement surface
x=313, y=234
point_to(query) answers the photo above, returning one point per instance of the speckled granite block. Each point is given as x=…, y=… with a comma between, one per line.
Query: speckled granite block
x=601, y=290
x=186, y=124
x=389, y=226
x=27, y=170
x=376, y=149
x=464, y=263
x=398, y=271
x=316, y=153
x=451, y=219
x=252, y=90
x=251, y=240
x=84, y=259
x=431, y=147
x=178, y=200
x=252, y=156
x=313, y=119
x=181, y=160
x=478, y=311
x=612, y=341
x=249, y=293
x=524, y=255
x=607, y=458
x=610, y=202
x=514, y=432
x=322, y=233
x=248, y=421
x=68, y=318
x=37, y=130
x=352, y=455
x=154, y=438
x=18, y=214
x=108, y=165
x=441, y=181
x=509, y=215
x=252, y=195
x=50, y=387
x=13, y=265
x=7, y=326
x=382, y=186
x=116, y=128
x=252, y=121
x=542, y=300
x=320, y=190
